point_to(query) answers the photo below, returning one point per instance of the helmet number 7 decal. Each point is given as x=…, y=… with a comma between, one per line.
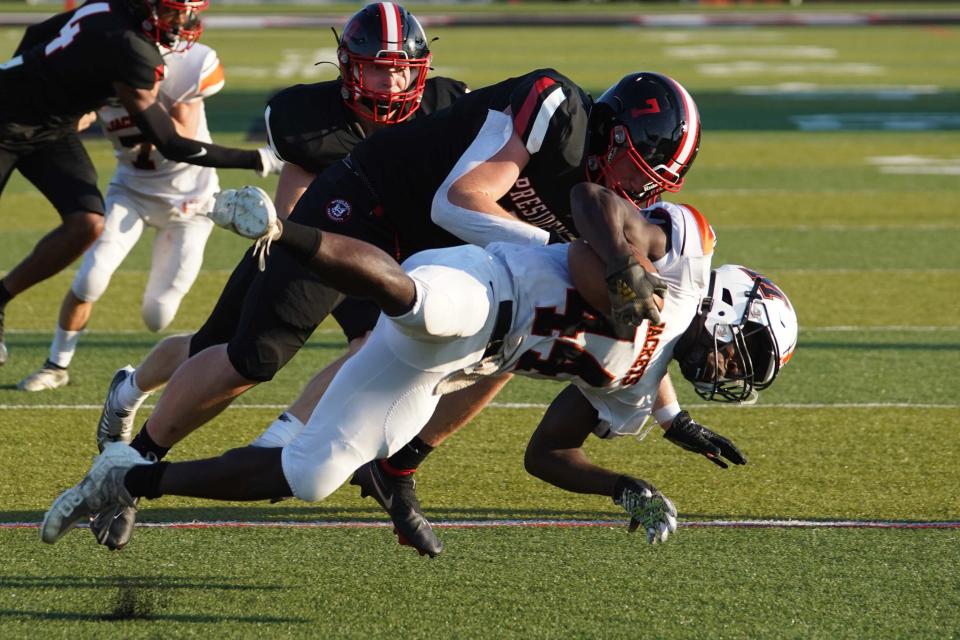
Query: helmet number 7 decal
x=72, y=28
x=652, y=107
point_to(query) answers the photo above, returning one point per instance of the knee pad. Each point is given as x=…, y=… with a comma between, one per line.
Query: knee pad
x=90, y=281
x=450, y=304
x=259, y=359
x=313, y=473
x=158, y=313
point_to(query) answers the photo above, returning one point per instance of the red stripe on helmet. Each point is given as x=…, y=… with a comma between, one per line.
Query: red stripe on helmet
x=688, y=143
x=522, y=120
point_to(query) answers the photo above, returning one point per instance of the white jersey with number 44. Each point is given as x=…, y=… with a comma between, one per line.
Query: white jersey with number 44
x=189, y=76
x=556, y=334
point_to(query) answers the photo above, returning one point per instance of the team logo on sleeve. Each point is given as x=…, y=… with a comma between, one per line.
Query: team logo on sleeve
x=338, y=210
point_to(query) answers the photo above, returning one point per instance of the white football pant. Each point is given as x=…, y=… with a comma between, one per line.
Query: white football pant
x=177, y=252
x=384, y=394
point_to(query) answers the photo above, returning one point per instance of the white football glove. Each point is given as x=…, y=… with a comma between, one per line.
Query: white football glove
x=646, y=507
x=270, y=162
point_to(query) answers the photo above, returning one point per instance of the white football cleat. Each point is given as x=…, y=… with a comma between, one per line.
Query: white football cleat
x=248, y=212
x=101, y=487
x=116, y=421
x=44, y=378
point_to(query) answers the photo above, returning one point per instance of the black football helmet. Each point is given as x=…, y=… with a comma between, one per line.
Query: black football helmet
x=173, y=24
x=651, y=121
x=383, y=33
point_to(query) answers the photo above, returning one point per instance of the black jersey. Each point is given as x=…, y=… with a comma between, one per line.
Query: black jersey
x=406, y=164
x=66, y=66
x=309, y=126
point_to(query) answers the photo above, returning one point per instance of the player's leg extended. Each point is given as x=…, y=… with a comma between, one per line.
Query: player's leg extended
x=123, y=227
x=353, y=267
x=292, y=421
x=357, y=318
x=176, y=261
x=64, y=173
x=281, y=309
x=8, y=161
x=131, y=387
x=376, y=403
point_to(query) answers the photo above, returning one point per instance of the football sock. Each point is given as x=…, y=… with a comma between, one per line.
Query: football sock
x=143, y=480
x=145, y=445
x=63, y=347
x=129, y=394
x=5, y=295
x=409, y=457
x=280, y=433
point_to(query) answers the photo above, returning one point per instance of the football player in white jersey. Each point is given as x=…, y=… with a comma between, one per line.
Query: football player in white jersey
x=452, y=316
x=147, y=190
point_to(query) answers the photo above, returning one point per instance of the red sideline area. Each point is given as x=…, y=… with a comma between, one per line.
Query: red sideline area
x=669, y=20
x=479, y=524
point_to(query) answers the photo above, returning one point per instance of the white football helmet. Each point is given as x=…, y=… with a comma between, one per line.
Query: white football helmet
x=747, y=324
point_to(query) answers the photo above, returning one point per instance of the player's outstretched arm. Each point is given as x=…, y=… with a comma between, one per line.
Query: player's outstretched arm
x=687, y=433
x=158, y=128
x=555, y=454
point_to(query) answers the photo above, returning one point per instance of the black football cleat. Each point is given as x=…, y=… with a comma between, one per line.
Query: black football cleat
x=397, y=495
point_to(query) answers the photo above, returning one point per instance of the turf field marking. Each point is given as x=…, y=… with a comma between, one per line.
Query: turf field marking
x=755, y=67
x=483, y=524
x=715, y=51
x=813, y=91
x=927, y=165
x=916, y=121
x=542, y=405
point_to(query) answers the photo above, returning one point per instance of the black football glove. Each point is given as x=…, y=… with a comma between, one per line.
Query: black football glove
x=631, y=289
x=687, y=433
x=646, y=507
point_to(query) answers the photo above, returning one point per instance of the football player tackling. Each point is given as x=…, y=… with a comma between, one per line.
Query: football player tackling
x=454, y=315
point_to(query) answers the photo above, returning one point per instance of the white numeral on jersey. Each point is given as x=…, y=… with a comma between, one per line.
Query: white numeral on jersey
x=15, y=61
x=72, y=28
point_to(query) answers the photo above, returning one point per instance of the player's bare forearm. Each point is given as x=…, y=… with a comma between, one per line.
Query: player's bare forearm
x=291, y=185
x=611, y=224
x=555, y=454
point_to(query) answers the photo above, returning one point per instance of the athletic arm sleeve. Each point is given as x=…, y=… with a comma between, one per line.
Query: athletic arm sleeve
x=158, y=128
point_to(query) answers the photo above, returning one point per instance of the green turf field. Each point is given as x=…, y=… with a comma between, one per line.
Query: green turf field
x=830, y=161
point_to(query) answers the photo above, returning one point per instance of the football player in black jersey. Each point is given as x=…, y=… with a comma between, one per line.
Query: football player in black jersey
x=497, y=165
x=384, y=58
x=68, y=66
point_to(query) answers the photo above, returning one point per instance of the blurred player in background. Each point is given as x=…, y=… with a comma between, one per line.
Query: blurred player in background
x=66, y=67
x=147, y=190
